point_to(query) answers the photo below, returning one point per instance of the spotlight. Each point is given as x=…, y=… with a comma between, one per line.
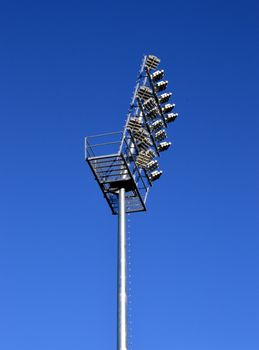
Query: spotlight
x=153, y=165
x=149, y=104
x=161, y=85
x=144, y=92
x=160, y=135
x=164, y=97
x=134, y=124
x=152, y=62
x=144, y=157
x=152, y=114
x=155, y=175
x=143, y=145
x=150, y=153
x=143, y=140
x=168, y=108
x=157, y=125
x=171, y=117
x=157, y=75
x=163, y=146
x=140, y=133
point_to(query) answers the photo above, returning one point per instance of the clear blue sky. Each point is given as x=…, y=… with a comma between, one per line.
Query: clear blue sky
x=67, y=69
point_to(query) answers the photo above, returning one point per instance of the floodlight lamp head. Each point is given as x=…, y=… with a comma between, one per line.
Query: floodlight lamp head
x=144, y=92
x=152, y=114
x=142, y=160
x=157, y=125
x=155, y=175
x=134, y=124
x=149, y=104
x=160, y=135
x=151, y=166
x=152, y=62
x=144, y=157
x=164, y=97
x=144, y=143
x=142, y=146
x=169, y=118
x=161, y=86
x=168, y=108
x=151, y=153
x=140, y=134
x=163, y=146
x=157, y=75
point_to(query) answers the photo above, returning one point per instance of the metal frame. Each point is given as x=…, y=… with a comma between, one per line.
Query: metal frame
x=114, y=170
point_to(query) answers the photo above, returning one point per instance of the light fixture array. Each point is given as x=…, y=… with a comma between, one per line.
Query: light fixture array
x=153, y=114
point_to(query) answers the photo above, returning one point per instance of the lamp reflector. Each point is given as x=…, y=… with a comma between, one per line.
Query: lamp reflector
x=150, y=153
x=152, y=114
x=149, y=104
x=144, y=92
x=164, y=97
x=134, y=124
x=143, y=142
x=152, y=62
x=157, y=125
x=168, y=108
x=160, y=135
x=163, y=146
x=161, y=85
x=140, y=134
x=153, y=165
x=155, y=175
x=157, y=75
x=144, y=157
x=171, y=117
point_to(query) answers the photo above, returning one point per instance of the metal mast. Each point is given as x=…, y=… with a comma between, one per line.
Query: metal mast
x=122, y=291
x=125, y=165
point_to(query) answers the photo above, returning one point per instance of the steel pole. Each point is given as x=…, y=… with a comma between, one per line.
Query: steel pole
x=122, y=294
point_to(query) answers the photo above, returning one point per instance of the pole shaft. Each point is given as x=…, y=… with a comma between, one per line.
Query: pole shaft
x=122, y=295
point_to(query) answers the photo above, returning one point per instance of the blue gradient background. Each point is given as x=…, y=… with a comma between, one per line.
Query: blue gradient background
x=67, y=69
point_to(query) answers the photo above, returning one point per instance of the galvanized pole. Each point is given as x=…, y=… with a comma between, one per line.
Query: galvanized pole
x=122, y=294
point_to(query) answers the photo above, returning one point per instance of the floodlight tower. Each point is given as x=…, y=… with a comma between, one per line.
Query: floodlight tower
x=125, y=163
